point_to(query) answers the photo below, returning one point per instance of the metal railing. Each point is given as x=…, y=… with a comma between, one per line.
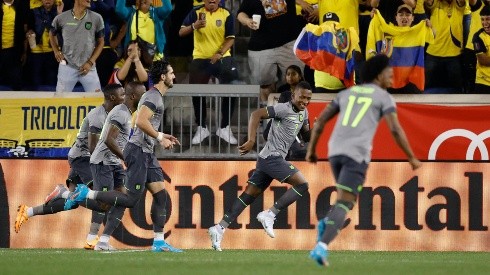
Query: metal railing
x=179, y=120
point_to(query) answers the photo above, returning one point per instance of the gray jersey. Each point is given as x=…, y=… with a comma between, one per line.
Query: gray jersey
x=120, y=117
x=153, y=100
x=285, y=127
x=360, y=110
x=79, y=36
x=92, y=123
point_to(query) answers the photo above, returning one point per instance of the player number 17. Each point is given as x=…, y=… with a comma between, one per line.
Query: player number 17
x=364, y=101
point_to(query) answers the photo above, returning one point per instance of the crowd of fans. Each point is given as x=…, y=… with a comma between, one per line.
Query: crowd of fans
x=53, y=44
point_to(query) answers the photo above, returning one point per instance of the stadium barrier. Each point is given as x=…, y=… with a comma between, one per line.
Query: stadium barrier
x=444, y=206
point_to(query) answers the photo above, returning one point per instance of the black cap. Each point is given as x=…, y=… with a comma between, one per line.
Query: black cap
x=330, y=16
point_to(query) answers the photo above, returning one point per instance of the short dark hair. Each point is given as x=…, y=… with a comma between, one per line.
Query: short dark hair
x=158, y=68
x=303, y=85
x=130, y=88
x=485, y=11
x=373, y=67
x=110, y=89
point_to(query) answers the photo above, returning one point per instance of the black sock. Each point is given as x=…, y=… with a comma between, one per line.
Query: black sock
x=238, y=206
x=51, y=207
x=292, y=194
x=114, y=217
x=159, y=211
x=335, y=220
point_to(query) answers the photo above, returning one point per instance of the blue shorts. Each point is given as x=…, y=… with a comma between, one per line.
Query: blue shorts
x=142, y=168
x=273, y=167
x=80, y=170
x=107, y=177
x=349, y=174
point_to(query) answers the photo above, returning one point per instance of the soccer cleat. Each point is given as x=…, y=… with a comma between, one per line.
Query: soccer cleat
x=216, y=236
x=90, y=245
x=227, y=135
x=56, y=193
x=200, y=135
x=162, y=246
x=267, y=221
x=21, y=217
x=103, y=246
x=322, y=224
x=79, y=195
x=319, y=254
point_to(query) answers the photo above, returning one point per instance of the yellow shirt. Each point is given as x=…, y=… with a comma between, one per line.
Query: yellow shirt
x=447, y=21
x=299, y=8
x=346, y=10
x=475, y=26
x=146, y=27
x=44, y=46
x=481, y=47
x=8, y=24
x=419, y=7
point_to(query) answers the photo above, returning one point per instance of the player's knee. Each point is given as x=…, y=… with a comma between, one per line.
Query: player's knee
x=301, y=188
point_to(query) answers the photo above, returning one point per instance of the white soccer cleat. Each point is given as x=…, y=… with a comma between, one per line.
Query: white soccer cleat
x=103, y=246
x=267, y=221
x=216, y=235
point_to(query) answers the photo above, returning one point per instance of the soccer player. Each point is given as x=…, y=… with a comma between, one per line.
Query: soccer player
x=143, y=169
x=359, y=109
x=289, y=119
x=78, y=158
x=105, y=161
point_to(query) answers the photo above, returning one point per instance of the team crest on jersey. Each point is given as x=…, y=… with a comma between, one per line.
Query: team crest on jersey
x=300, y=117
x=219, y=23
x=88, y=25
x=137, y=187
x=341, y=41
x=387, y=46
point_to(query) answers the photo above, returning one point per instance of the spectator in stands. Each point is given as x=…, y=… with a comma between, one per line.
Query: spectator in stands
x=146, y=22
x=443, y=72
x=293, y=77
x=214, y=34
x=388, y=8
x=469, y=56
x=404, y=45
x=307, y=12
x=13, y=45
x=271, y=42
x=131, y=67
x=82, y=31
x=347, y=13
x=481, y=40
x=114, y=32
x=41, y=65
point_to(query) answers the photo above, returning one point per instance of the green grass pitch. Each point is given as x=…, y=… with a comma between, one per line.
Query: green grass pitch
x=254, y=262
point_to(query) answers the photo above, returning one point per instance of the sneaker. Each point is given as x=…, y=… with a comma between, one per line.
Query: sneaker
x=56, y=193
x=319, y=254
x=162, y=246
x=104, y=246
x=200, y=135
x=322, y=224
x=227, y=135
x=79, y=195
x=21, y=217
x=216, y=235
x=90, y=245
x=267, y=221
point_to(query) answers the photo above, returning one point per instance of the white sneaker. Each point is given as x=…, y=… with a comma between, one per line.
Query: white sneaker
x=200, y=135
x=103, y=246
x=216, y=234
x=227, y=135
x=267, y=221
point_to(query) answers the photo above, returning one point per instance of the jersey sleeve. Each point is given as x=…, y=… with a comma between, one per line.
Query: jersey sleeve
x=388, y=105
x=190, y=18
x=151, y=101
x=478, y=43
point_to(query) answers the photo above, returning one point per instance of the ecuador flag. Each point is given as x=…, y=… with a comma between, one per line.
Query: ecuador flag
x=329, y=48
x=404, y=46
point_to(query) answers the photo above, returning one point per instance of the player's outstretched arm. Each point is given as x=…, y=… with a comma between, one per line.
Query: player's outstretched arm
x=253, y=124
x=401, y=139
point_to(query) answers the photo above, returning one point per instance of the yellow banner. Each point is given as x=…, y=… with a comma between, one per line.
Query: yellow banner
x=41, y=127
